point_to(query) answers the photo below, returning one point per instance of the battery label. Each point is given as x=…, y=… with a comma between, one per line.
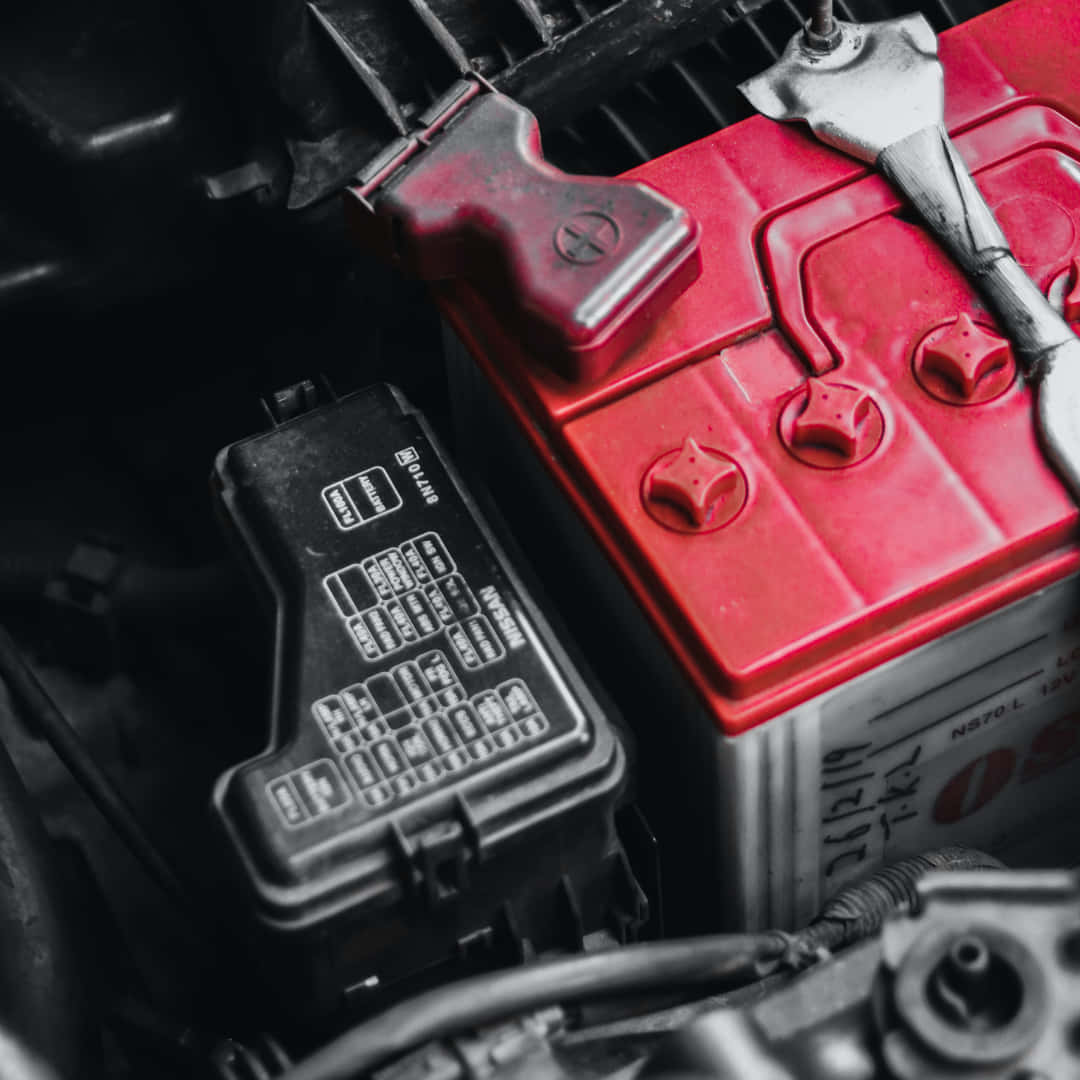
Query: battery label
x=943, y=770
x=968, y=740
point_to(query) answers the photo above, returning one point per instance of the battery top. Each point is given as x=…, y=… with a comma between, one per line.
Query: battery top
x=824, y=454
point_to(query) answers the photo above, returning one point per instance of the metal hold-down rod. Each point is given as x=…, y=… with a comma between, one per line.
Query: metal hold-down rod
x=822, y=34
x=821, y=18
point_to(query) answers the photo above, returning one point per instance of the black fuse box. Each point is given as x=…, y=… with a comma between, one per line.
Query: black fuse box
x=440, y=784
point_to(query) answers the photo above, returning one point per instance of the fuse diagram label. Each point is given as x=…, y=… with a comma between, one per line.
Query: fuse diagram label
x=412, y=722
x=414, y=592
x=403, y=731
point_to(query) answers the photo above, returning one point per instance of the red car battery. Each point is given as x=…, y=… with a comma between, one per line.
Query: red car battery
x=846, y=566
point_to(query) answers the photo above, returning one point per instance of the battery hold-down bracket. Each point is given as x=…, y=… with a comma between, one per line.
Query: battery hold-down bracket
x=436, y=764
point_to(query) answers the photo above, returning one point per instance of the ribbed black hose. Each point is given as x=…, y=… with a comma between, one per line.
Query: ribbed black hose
x=853, y=914
x=859, y=911
x=42, y=989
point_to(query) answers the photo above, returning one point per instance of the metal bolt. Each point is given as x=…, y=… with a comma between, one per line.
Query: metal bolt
x=971, y=990
x=967, y=966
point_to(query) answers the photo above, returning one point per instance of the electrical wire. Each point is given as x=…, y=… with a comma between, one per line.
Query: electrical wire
x=730, y=960
x=726, y=959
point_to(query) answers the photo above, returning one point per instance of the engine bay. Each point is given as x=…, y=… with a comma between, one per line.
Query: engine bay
x=515, y=565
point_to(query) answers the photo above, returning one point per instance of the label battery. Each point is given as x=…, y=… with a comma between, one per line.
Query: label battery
x=974, y=739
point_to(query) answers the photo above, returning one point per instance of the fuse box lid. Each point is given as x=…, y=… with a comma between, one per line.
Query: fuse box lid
x=423, y=713
x=824, y=454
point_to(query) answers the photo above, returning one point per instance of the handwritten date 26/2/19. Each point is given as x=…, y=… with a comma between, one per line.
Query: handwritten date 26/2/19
x=851, y=812
x=857, y=799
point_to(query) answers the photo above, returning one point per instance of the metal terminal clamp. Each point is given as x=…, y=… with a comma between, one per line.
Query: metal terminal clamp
x=878, y=94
